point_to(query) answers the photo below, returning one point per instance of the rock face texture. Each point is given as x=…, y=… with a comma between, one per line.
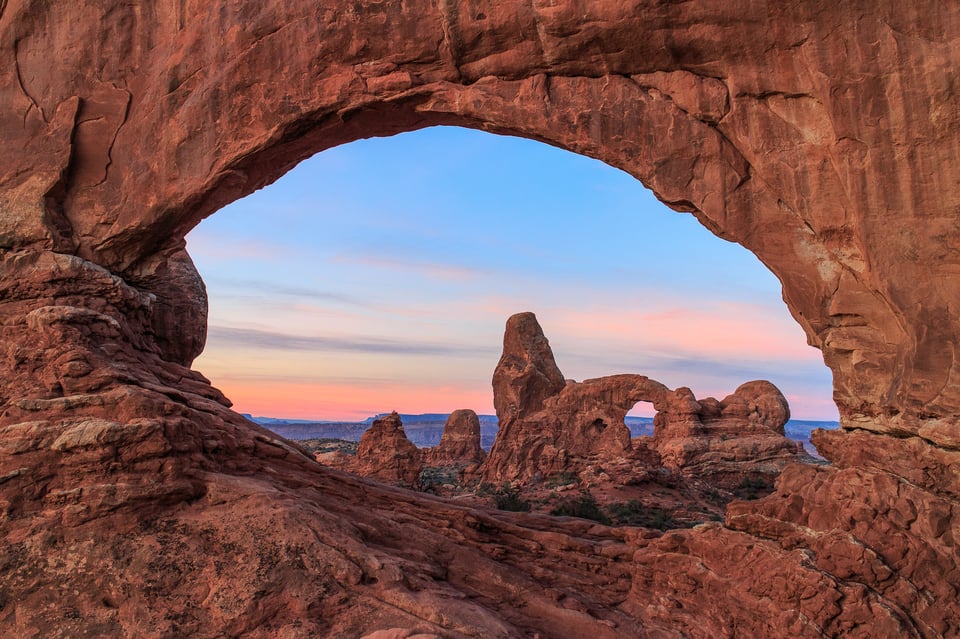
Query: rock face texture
x=385, y=453
x=547, y=428
x=526, y=375
x=460, y=443
x=821, y=136
x=740, y=437
x=549, y=425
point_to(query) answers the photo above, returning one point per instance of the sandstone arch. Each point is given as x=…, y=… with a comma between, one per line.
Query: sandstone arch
x=821, y=137
x=714, y=118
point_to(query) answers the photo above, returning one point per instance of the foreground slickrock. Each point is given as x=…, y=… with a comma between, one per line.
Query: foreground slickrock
x=822, y=136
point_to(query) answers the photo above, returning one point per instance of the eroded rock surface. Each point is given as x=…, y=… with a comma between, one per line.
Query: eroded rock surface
x=460, y=442
x=527, y=374
x=737, y=439
x=548, y=430
x=133, y=502
x=548, y=425
x=386, y=454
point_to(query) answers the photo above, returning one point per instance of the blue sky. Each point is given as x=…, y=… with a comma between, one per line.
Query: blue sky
x=378, y=276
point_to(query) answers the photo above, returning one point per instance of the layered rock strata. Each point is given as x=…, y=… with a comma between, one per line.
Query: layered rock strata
x=133, y=502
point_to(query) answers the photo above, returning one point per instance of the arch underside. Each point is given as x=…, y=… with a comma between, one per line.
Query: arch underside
x=821, y=138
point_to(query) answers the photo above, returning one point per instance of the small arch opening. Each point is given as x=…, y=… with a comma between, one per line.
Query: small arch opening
x=412, y=250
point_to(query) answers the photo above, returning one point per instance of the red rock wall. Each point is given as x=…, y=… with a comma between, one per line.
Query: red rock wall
x=821, y=136
x=781, y=127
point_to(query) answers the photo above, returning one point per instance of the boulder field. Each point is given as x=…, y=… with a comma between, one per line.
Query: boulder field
x=821, y=136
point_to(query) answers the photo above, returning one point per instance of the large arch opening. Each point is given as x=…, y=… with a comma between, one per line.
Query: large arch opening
x=335, y=301
x=411, y=280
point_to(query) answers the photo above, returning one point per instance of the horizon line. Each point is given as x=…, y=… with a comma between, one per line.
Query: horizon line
x=357, y=421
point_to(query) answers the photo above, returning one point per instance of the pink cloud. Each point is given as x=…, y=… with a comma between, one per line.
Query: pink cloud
x=741, y=331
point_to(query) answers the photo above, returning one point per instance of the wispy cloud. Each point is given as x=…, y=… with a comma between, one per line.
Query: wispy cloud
x=649, y=364
x=269, y=289
x=689, y=369
x=435, y=270
x=202, y=247
x=730, y=331
x=257, y=338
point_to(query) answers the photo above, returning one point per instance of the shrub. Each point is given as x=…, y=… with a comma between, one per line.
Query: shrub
x=484, y=489
x=563, y=479
x=755, y=483
x=634, y=513
x=626, y=512
x=750, y=486
x=508, y=498
x=584, y=506
x=432, y=479
x=660, y=519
